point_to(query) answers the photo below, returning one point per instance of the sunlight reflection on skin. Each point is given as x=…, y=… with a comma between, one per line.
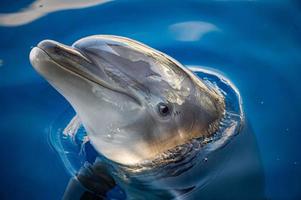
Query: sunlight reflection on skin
x=191, y=30
x=40, y=8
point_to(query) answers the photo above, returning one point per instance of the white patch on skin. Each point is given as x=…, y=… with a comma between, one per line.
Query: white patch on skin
x=112, y=130
x=177, y=96
x=155, y=78
x=191, y=30
x=177, y=84
x=168, y=76
x=72, y=127
x=106, y=48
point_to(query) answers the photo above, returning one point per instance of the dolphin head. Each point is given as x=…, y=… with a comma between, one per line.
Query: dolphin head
x=134, y=102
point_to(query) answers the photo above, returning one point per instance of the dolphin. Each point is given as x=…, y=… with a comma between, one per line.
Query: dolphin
x=139, y=106
x=134, y=102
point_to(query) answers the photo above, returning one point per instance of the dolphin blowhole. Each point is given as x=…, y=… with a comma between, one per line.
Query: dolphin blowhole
x=117, y=86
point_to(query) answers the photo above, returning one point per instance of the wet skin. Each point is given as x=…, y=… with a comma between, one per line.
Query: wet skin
x=135, y=102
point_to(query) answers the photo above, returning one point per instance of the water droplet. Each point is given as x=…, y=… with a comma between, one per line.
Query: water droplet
x=295, y=163
x=205, y=159
x=262, y=102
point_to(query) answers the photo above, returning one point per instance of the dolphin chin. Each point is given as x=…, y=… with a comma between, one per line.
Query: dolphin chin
x=135, y=102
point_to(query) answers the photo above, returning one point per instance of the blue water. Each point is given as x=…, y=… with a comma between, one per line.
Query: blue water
x=256, y=44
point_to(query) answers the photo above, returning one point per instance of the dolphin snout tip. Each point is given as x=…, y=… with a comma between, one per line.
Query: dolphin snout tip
x=38, y=58
x=40, y=46
x=33, y=55
x=36, y=53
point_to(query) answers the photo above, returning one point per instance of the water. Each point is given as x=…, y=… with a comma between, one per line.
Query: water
x=256, y=44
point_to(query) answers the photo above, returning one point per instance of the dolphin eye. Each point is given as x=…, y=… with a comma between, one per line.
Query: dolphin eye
x=163, y=109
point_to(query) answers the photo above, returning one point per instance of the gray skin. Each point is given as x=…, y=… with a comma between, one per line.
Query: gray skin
x=135, y=102
x=119, y=88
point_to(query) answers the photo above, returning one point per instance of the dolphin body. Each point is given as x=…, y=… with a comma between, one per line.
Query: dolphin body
x=154, y=120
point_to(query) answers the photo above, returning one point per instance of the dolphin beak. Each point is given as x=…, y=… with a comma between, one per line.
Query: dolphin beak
x=60, y=52
x=73, y=60
x=68, y=58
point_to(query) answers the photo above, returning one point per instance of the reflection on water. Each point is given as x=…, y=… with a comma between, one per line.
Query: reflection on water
x=191, y=30
x=40, y=8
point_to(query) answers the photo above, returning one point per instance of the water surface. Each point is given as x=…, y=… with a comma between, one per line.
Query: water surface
x=256, y=44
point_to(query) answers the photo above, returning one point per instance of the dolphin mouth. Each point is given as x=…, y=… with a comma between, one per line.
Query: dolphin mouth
x=75, y=61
